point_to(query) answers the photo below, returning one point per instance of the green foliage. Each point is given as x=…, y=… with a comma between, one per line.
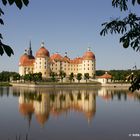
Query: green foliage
x=129, y=28
x=86, y=76
x=100, y=72
x=134, y=78
x=118, y=75
x=33, y=77
x=71, y=77
x=123, y=4
x=3, y=47
x=62, y=75
x=53, y=76
x=79, y=77
x=5, y=76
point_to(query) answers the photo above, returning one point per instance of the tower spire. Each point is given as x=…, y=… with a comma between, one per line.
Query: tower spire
x=30, y=49
x=30, y=44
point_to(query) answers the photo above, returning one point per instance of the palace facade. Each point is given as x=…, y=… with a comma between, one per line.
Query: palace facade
x=45, y=63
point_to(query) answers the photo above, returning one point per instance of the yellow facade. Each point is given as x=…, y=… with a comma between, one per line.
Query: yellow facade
x=46, y=64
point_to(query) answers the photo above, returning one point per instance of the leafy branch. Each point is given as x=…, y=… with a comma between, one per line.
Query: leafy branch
x=129, y=27
x=3, y=47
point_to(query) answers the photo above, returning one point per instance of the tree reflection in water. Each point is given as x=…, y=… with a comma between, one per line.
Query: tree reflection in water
x=43, y=103
x=47, y=104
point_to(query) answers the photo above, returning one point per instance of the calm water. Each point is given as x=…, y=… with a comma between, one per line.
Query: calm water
x=65, y=114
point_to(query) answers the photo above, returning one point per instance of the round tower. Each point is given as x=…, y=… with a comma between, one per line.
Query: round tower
x=89, y=63
x=42, y=63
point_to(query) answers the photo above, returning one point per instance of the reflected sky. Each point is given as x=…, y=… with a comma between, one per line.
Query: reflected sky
x=77, y=114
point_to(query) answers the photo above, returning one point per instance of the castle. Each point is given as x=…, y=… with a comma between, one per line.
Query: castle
x=45, y=63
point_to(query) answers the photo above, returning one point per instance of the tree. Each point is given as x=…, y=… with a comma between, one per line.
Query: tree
x=129, y=28
x=62, y=75
x=79, y=77
x=53, y=76
x=37, y=76
x=5, y=76
x=19, y=3
x=71, y=77
x=86, y=76
x=28, y=77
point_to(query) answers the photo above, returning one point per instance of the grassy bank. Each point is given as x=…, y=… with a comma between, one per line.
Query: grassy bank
x=5, y=84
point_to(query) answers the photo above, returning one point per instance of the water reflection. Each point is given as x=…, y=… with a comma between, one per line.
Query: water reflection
x=109, y=94
x=44, y=103
x=103, y=109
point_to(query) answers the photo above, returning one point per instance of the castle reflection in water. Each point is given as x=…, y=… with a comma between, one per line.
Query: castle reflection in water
x=44, y=103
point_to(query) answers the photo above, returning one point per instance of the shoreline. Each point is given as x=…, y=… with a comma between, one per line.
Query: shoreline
x=73, y=85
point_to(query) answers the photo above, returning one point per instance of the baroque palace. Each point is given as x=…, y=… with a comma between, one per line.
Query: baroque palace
x=45, y=63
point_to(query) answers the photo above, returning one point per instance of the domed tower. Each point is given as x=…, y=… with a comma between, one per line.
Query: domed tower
x=26, y=62
x=89, y=63
x=42, y=63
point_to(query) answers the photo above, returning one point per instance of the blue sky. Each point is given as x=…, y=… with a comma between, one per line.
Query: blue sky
x=65, y=26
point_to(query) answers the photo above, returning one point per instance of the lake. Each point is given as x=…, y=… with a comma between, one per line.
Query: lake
x=69, y=114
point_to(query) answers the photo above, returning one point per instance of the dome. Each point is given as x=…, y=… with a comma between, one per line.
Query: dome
x=42, y=52
x=26, y=60
x=89, y=55
x=26, y=108
x=42, y=118
x=56, y=56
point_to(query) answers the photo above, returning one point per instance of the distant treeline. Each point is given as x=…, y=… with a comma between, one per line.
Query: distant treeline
x=118, y=74
x=5, y=76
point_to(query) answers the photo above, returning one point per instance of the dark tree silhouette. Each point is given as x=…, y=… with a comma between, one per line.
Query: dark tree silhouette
x=129, y=28
x=4, y=47
x=71, y=77
x=62, y=75
x=86, y=76
x=79, y=77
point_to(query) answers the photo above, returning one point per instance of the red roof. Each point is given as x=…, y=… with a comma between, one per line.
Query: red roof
x=77, y=60
x=105, y=76
x=89, y=55
x=42, y=52
x=56, y=56
x=26, y=60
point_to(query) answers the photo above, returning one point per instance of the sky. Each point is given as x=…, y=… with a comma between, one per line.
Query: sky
x=65, y=26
